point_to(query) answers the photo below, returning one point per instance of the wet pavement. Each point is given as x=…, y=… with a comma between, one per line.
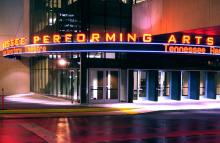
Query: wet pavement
x=191, y=126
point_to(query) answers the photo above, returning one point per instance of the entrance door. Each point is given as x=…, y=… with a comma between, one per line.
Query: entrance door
x=104, y=85
x=139, y=89
x=67, y=83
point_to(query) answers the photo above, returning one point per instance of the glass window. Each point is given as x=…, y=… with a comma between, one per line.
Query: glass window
x=55, y=3
x=218, y=83
x=51, y=3
x=71, y=2
x=124, y=1
x=94, y=55
x=202, y=83
x=137, y=1
x=50, y=18
x=110, y=55
x=59, y=4
x=185, y=77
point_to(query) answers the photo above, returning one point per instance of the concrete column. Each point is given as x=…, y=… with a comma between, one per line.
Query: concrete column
x=193, y=85
x=83, y=78
x=210, y=85
x=130, y=86
x=175, y=85
x=152, y=85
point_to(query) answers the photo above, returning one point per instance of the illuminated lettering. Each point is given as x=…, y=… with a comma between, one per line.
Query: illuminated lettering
x=131, y=37
x=17, y=42
x=95, y=37
x=198, y=39
x=172, y=39
x=215, y=51
x=184, y=49
x=36, y=39
x=22, y=41
x=12, y=43
x=46, y=39
x=186, y=39
x=147, y=38
x=109, y=37
x=56, y=38
x=210, y=41
x=121, y=37
x=8, y=43
x=81, y=37
x=35, y=49
x=68, y=37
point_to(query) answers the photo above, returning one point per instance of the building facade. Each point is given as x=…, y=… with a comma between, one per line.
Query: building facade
x=96, y=51
x=72, y=16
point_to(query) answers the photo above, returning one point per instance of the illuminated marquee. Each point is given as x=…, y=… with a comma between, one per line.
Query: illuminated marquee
x=193, y=44
x=186, y=39
x=185, y=49
x=14, y=42
x=113, y=37
x=107, y=37
x=94, y=37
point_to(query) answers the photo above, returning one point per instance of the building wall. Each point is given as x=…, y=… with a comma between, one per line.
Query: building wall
x=165, y=16
x=11, y=25
x=14, y=74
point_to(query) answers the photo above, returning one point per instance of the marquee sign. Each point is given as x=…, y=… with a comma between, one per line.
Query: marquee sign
x=112, y=42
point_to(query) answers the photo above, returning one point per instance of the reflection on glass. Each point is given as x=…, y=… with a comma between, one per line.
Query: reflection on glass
x=202, y=84
x=139, y=89
x=185, y=77
x=103, y=84
x=96, y=85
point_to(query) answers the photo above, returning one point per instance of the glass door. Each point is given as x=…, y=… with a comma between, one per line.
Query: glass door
x=67, y=83
x=112, y=84
x=103, y=85
x=139, y=89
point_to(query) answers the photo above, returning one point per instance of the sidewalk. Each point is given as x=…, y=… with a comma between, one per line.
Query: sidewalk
x=32, y=106
x=35, y=105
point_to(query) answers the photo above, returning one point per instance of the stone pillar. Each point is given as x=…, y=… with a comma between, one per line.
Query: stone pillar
x=210, y=85
x=83, y=79
x=175, y=85
x=152, y=85
x=193, y=85
x=130, y=86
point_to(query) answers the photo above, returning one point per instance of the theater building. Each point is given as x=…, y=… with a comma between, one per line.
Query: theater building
x=108, y=51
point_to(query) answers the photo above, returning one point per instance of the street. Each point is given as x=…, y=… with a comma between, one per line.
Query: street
x=161, y=127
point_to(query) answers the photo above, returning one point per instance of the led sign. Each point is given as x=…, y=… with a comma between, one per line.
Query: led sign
x=186, y=39
x=94, y=37
x=184, y=49
x=107, y=37
x=14, y=42
x=130, y=42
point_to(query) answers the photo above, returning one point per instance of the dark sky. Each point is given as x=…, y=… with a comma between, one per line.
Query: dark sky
x=11, y=19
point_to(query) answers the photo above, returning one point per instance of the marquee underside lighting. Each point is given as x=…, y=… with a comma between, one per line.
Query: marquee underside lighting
x=163, y=48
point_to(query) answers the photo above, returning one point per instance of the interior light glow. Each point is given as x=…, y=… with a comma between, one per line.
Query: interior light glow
x=62, y=62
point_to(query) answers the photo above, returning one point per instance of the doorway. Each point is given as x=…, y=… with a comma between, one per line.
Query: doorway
x=104, y=85
x=139, y=89
x=68, y=84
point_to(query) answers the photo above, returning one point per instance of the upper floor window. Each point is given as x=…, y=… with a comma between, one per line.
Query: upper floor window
x=138, y=1
x=53, y=3
x=71, y=2
x=124, y=1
